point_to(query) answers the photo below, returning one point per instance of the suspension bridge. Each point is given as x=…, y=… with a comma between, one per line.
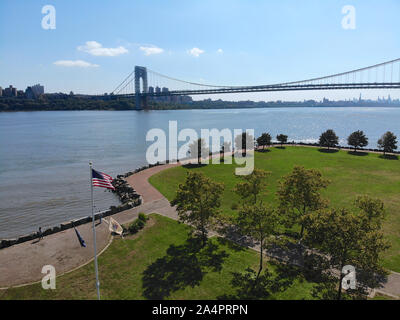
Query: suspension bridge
x=144, y=84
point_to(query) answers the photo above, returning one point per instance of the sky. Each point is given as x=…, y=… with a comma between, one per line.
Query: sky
x=96, y=43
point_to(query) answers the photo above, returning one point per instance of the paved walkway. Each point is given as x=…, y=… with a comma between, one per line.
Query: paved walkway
x=22, y=263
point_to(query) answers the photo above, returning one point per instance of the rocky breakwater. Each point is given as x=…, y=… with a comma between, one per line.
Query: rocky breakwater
x=127, y=195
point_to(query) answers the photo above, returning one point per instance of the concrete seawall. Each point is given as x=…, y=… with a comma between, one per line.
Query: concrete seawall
x=128, y=196
x=131, y=199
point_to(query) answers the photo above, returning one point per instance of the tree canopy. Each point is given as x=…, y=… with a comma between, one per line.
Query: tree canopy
x=244, y=142
x=252, y=185
x=198, y=201
x=264, y=140
x=282, y=138
x=329, y=139
x=198, y=149
x=388, y=142
x=357, y=139
x=259, y=222
x=345, y=239
x=299, y=194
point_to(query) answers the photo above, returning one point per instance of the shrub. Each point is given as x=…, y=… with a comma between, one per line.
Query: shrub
x=133, y=227
x=138, y=224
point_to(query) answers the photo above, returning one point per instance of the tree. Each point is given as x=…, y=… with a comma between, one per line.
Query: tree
x=358, y=140
x=252, y=185
x=344, y=239
x=198, y=201
x=244, y=142
x=258, y=222
x=226, y=147
x=373, y=210
x=282, y=138
x=299, y=194
x=264, y=140
x=388, y=142
x=329, y=139
x=197, y=149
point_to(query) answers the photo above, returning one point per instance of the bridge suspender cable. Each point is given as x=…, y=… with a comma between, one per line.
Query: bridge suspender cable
x=338, y=81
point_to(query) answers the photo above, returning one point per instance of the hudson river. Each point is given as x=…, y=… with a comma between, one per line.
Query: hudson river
x=44, y=173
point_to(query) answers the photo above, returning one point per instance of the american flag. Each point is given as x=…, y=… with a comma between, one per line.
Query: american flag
x=100, y=179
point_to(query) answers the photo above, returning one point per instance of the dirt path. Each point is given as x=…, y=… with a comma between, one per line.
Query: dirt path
x=22, y=263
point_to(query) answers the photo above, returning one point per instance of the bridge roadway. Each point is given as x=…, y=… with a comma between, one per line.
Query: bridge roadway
x=269, y=88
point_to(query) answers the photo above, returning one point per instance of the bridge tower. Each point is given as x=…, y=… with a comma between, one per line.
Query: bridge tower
x=140, y=100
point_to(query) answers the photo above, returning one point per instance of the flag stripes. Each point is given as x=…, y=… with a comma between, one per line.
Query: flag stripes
x=102, y=180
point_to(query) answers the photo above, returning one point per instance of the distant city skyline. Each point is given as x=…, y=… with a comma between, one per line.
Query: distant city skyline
x=229, y=42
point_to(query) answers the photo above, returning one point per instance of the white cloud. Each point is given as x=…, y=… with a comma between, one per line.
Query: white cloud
x=195, y=52
x=220, y=51
x=96, y=49
x=151, y=50
x=74, y=63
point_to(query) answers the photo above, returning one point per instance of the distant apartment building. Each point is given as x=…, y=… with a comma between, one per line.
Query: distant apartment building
x=38, y=89
x=166, y=97
x=10, y=92
x=35, y=91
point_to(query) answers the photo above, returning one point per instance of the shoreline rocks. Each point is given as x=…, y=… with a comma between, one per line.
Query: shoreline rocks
x=128, y=196
x=129, y=199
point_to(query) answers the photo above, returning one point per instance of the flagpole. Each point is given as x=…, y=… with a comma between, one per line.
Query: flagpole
x=94, y=234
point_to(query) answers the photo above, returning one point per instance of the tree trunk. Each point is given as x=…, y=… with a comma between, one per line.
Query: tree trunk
x=301, y=231
x=339, y=295
x=203, y=237
x=261, y=261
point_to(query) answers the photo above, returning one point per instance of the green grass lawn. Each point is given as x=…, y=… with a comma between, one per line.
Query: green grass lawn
x=159, y=263
x=350, y=175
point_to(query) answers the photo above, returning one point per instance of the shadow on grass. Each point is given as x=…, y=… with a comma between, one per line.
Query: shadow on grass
x=194, y=165
x=281, y=147
x=263, y=150
x=323, y=150
x=359, y=154
x=184, y=265
x=248, y=287
x=230, y=244
x=389, y=157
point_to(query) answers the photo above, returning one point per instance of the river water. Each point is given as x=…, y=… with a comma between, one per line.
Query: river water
x=44, y=174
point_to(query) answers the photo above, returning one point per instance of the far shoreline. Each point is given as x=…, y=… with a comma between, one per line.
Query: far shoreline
x=215, y=108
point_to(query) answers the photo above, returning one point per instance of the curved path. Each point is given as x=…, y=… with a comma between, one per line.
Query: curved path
x=22, y=264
